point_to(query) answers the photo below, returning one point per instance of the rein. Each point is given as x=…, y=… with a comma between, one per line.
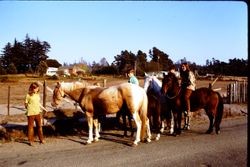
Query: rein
x=174, y=95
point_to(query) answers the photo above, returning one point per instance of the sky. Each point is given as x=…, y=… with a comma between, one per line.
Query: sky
x=92, y=30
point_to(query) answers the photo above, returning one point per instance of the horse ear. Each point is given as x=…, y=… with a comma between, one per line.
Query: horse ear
x=145, y=74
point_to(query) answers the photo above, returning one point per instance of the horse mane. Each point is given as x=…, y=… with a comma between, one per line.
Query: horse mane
x=70, y=86
x=157, y=81
x=174, y=77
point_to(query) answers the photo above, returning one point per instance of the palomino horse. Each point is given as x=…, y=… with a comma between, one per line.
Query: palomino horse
x=157, y=105
x=57, y=94
x=96, y=101
x=201, y=98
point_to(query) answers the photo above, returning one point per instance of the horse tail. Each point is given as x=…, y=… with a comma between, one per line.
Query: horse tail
x=220, y=109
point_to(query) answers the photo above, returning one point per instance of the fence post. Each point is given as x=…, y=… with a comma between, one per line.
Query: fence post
x=44, y=99
x=44, y=93
x=8, y=105
x=104, y=82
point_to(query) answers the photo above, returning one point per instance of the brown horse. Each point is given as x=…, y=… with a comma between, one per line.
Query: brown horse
x=96, y=101
x=156, y=106
x=201, y=98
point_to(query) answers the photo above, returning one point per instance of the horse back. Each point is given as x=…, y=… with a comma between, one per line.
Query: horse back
x=204, y=98
x=134, y=96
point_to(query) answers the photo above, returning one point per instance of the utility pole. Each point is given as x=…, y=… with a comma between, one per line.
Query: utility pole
x=158, y=64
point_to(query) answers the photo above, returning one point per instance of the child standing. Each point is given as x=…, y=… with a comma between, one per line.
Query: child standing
x=32, y=104
x=132, y=77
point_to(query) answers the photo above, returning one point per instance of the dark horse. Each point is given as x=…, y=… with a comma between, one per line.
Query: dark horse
x=201, y=98
x=157, y=112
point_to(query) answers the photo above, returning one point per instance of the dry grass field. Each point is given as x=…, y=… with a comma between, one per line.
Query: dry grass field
x=19, y=84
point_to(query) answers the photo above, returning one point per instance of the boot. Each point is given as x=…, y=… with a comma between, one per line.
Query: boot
x=186, y=120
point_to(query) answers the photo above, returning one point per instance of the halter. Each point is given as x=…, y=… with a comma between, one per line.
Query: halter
x=174, y=95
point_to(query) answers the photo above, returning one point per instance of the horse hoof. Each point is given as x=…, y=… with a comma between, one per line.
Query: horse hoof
x=88, y=142
x=96, y=140
x=218, y=132
x=134, y=145
x=209, y=131
x=157, y=137
x=149, y=140
x=186, y=128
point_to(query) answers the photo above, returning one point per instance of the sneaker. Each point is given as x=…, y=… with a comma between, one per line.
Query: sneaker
x=32, y=144
x=42, y=142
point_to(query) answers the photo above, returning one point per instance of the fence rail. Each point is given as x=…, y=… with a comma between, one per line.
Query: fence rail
x=237, y=92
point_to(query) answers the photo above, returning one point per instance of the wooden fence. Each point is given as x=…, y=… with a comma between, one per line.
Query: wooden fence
x=237, y=92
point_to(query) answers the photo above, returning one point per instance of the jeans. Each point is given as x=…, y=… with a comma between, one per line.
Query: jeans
x=187, y=95
x=38, y=121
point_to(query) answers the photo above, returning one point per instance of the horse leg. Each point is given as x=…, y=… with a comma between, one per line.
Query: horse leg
x=175, y=124
x=162, y=126
x=219, y=114
x=158, y=118
x=171, y=131
x=170, y=122
x=211, y=120
x=124, y=123
x=148, y=131
x=138, y=126
x=217, y=124
x=97, y=130
x=130, y=125
x=179, y=118
x=90, y=125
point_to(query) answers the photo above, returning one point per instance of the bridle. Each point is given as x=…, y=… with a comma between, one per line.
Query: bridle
x=172, y=97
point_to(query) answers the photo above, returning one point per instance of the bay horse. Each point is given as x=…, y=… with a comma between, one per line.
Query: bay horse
x=96, y=101
x=157, y=105
x=202, y=98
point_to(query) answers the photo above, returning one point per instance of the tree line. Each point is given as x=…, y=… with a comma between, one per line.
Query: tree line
x=30, y=56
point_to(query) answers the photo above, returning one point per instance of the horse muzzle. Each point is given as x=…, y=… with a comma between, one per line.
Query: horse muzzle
x=54, y=104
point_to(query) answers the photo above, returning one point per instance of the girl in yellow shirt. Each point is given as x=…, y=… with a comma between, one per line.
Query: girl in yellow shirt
x=32, y=104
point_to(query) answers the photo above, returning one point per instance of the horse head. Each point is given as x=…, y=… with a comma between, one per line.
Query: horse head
x=63, y=88
x=58, y=94
x=169, y=81
x=151, y=83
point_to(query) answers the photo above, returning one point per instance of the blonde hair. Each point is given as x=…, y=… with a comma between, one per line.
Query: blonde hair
x=33, y=86
x=131, y=71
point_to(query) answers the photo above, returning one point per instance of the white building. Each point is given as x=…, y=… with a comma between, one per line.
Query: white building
x=51, y=71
